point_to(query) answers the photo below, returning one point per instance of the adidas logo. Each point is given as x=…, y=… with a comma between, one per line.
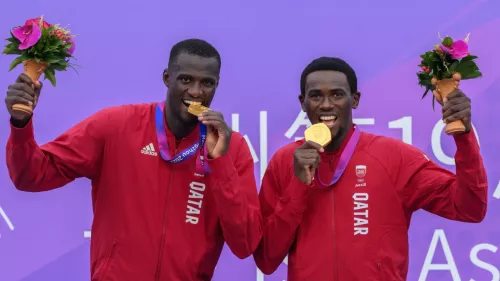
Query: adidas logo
x=149, y=150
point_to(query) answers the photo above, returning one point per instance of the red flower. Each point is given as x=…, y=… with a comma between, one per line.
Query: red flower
x=36, y=21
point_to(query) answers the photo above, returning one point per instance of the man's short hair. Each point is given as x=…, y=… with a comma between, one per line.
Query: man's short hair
x=196, y=47
x=330, y=63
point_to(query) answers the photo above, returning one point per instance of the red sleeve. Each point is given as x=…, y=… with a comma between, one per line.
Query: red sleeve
x=282, y=210
x=236, y=198
x=74, y=154
x=461, y=197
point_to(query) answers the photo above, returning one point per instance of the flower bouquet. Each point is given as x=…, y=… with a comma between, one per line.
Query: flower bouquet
x=42, y=48
x=443, y=68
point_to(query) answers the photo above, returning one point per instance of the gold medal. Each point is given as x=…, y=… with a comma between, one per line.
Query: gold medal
x=318, y=133
x=197, y=109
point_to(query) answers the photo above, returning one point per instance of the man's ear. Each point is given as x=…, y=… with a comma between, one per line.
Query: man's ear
x=301, y=100
x=166, y=77
x=355, y=99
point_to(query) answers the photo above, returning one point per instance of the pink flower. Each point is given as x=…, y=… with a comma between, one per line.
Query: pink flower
x=36, y=21
x=459, y=49
x=29, y=34
x=71, y=49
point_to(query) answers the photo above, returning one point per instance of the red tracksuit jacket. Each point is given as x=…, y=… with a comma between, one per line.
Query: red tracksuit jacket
x=357, y=230
x=152, y=220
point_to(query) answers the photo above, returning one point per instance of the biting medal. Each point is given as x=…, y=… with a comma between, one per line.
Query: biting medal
x=197, y=109
x=318, y=133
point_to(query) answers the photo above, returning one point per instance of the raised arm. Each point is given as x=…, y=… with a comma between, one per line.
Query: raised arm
x=76, y=153
x=461, y=196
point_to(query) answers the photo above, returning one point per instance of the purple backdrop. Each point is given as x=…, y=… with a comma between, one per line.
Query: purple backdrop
x=264, y=47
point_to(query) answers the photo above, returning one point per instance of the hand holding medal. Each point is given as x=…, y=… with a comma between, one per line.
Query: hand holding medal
x=306, y=156
x=219, y=133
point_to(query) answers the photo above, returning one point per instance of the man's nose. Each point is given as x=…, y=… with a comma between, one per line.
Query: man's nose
x=195, y=90
x=326, y=104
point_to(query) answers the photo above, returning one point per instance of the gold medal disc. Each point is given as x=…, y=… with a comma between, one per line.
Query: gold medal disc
x=197, y=109
x=318, y=133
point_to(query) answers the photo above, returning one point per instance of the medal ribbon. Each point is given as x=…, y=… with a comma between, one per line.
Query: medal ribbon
x=344, y=158
x=161, y=133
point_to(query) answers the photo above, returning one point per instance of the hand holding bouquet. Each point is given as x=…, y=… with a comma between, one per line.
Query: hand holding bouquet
x=442, y=69
x=42, y=48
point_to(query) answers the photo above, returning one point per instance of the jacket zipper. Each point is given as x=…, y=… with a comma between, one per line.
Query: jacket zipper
x=164, y=227
x=335, y=267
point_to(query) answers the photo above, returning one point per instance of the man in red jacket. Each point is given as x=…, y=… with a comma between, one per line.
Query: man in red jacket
x=343, y=212
x=167, y=189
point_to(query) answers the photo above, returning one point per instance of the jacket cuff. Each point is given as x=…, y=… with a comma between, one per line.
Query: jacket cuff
x=467, y=141
x=20, y=136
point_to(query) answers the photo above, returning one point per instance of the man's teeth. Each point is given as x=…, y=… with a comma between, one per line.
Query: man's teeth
x=328, y=118
x=192, y=102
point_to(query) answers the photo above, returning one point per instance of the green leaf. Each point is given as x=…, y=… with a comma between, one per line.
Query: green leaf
x=39, y=46
x=435, y=57
x=15, y=44
x=425, y=93
x=426, y=57
x=57, y=42
x=447, y=41
x=71, y=66
x=433, y=61
x=472, y=75
x=46, y=32
x=18, y=61
x=51, y=59
x=468, y=58
x=67, y=46
x=13, y=40
x=60, y=66
x=30, y=52
x=12, y=50
x=50, y=75
x=453, y=66
x=466, y=67
x=47, y=48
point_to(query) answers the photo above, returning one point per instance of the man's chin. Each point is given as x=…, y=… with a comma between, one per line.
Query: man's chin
x=335, y=132
x=188, y=118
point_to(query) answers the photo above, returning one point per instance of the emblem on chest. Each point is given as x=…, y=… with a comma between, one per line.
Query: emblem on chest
x=360, y=174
